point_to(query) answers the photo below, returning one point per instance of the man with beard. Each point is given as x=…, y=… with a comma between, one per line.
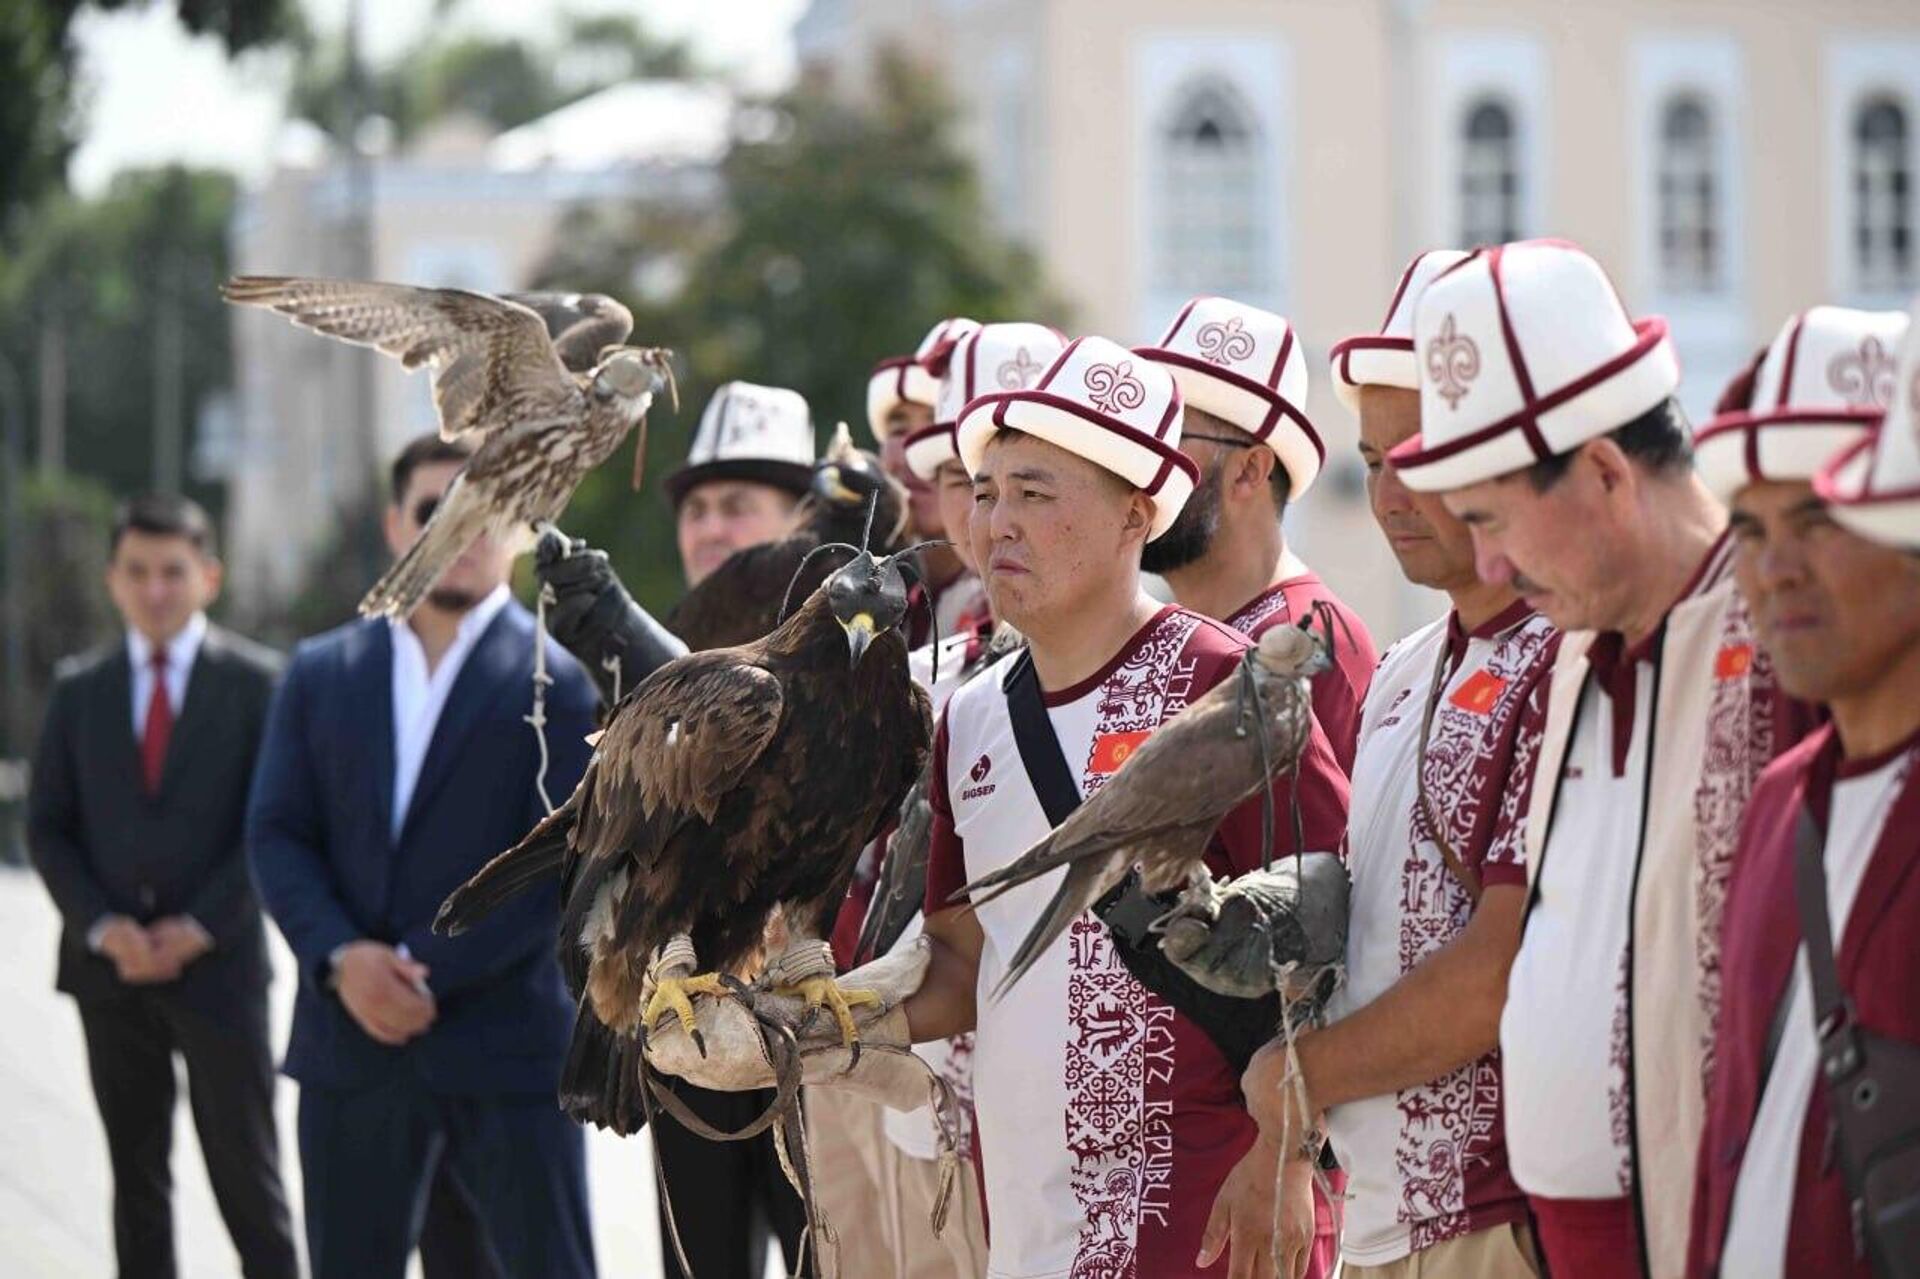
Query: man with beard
x=396, y=762
x=1243, y=375
x=1834, y=588
x=1112, y=1132
x=1548, y=426
x=900, y=404
x=1409, y=1070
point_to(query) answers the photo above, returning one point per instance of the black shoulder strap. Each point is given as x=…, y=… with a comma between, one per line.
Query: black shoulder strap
x=1238, y=1026
x=1810, y=893
x=1040, y=752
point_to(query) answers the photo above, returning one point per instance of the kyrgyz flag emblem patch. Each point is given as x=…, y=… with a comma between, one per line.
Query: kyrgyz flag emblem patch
x=1110, y=750
x=1733, y=661
x=1479, y=694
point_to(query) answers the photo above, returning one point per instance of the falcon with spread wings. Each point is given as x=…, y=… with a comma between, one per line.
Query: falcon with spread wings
x=499, y=382
x=729, y=785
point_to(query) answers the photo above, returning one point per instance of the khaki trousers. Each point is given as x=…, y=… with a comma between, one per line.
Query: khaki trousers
x=909, y=1187
x=880, y=1201
x=844, y=1140
x=1498, y=1252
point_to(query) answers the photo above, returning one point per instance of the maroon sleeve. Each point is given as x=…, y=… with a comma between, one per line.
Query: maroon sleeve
x=1323, y=793
x=946, y=856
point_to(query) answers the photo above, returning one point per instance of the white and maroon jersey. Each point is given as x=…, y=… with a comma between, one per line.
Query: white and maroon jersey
x=1108, y=1121
x=1563, y=1031
x=1429, y=1163
x=1339, y=693
x=1764, y=1193
x=939, y=668
x=1770, y=1197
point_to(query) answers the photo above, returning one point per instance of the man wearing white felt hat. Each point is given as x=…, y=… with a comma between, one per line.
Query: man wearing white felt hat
x=749, y=465
x=997, y=357
x=1409, y=1070
x=1072, y=477
x=994, y=357
x=1548, y=425
x=900, y=403
x=1840, y=615
x=1242, y=373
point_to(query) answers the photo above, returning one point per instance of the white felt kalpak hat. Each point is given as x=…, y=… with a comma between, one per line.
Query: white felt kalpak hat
x=996, y=357
x=907, y=379
x=1525, y=352
x=1873, y=486
x=749, y=432
x=1386, y=358
x=1820, y=386
x=1245, y=366
x=1104, y=403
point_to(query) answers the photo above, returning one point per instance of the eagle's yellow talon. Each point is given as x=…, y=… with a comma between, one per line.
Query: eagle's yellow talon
x=825, y=992
x=675, y=995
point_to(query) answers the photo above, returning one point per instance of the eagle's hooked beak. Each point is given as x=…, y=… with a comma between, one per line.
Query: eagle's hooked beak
x=859, y=636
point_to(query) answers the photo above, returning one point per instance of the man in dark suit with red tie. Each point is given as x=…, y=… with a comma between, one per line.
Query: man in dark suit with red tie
x=135, y=821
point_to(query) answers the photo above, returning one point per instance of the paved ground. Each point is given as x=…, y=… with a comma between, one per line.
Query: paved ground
x=54, y=1183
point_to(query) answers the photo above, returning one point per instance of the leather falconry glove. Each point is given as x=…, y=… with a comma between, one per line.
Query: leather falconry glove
x=594, y=618
x=738, y=1058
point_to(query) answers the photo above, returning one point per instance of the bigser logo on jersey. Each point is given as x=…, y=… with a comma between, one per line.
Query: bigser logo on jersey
x=981, y=767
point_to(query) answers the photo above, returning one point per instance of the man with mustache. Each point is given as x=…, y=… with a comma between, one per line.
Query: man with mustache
x=1408, y=1072
x=1243, y=375
x=1549, y=427
x=1829, y=573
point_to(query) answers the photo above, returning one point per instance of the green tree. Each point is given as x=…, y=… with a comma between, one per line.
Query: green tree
x=846, y=233
x=37, y=118
x=505, y=82
x=112, y=274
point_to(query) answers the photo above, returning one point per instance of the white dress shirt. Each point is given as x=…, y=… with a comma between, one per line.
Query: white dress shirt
x=419, y=696
x=182, y=649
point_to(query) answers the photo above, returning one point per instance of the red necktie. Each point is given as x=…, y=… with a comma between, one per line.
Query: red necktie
x=153, y=743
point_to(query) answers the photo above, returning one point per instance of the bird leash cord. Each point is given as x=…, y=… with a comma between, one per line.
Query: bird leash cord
x=785, y=1116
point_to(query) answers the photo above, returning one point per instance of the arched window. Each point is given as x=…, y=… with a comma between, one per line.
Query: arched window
x=1211, y=232
x=1489, y=174
x=1690, y=197
x=1882, y=195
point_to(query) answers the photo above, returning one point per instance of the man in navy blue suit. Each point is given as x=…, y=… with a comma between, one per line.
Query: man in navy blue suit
x=396, y=762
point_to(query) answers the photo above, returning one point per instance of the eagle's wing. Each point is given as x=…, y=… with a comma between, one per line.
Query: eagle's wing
x=676, y=745
x=580, y=324
x=487, y=354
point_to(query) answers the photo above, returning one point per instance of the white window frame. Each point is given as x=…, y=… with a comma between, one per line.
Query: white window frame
x=1258, y=68
x=1709, y=68
x=1460, y=70
x=1858, y=69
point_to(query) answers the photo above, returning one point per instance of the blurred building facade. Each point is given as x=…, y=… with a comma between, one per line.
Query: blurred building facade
x=462, y=206
x=1730, y=161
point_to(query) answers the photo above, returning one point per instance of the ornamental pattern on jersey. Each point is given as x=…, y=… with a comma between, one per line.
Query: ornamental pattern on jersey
x=1619, y=1079
x=1119, y=1052
x=1263, y=612
x=1448, y=1127
x=1739, y=744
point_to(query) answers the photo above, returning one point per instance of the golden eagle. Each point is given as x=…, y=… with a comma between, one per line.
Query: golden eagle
x=729, y=785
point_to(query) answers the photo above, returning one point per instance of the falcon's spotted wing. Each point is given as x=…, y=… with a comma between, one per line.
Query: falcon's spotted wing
x=487, y=354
